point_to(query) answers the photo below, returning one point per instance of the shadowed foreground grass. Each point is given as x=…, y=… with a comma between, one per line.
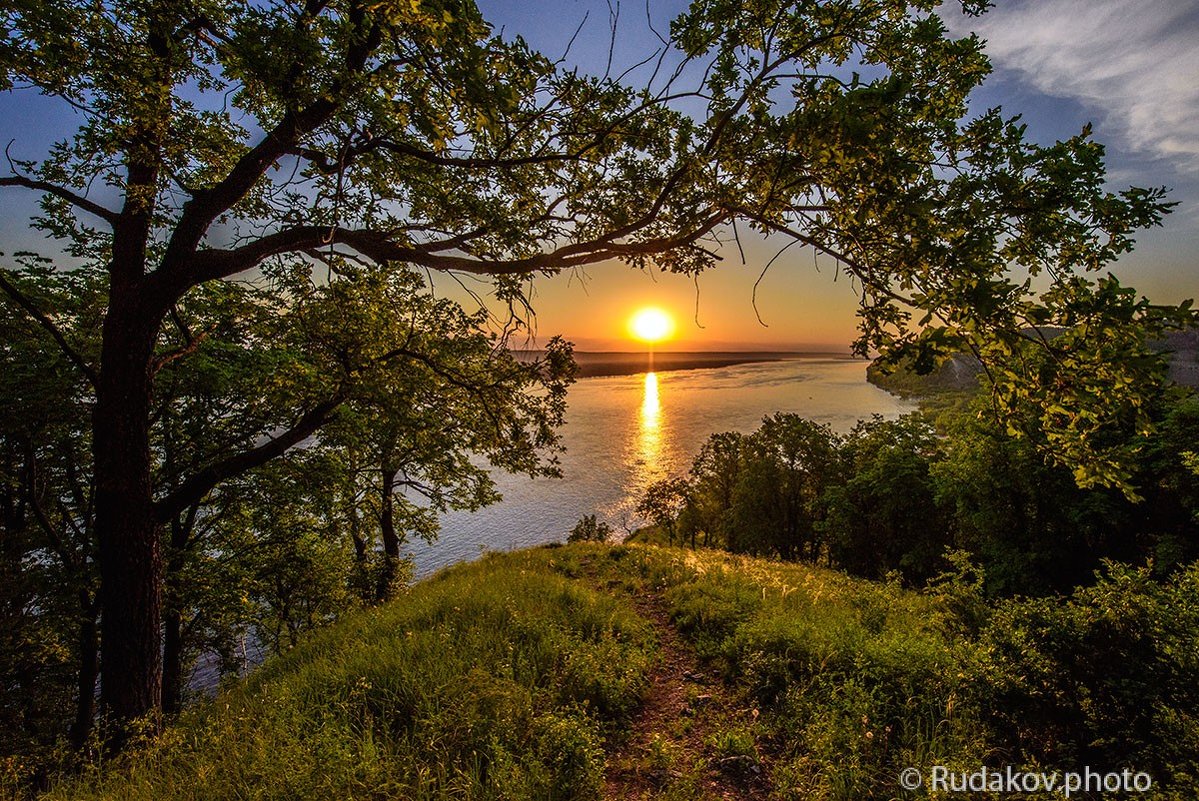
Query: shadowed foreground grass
x=488, y=681
x=513, y=677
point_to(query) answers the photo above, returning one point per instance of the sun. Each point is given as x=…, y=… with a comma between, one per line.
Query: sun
x=651, y=325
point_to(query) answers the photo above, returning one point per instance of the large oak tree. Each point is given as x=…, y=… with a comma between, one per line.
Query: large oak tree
x=223, y=138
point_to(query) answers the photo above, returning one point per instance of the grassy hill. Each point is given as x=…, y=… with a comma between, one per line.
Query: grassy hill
x=625, y=672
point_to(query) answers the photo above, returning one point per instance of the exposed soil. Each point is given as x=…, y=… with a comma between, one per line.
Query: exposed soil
x=677, y=743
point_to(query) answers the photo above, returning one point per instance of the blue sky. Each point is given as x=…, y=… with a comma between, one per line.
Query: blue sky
x=1130, y=68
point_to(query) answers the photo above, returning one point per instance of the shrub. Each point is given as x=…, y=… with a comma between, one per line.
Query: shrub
x=1108, y=677
x=589, y=530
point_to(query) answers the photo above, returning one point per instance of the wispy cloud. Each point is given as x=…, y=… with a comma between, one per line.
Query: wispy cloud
x=1135, y=62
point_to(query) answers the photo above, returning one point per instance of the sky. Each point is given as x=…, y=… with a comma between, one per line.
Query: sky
x=1131, y=68
x=1128, y=67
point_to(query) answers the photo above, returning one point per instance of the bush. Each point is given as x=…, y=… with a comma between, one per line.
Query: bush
x=1109, y=677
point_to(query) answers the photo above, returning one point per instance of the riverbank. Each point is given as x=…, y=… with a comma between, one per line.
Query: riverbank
x=628, y=673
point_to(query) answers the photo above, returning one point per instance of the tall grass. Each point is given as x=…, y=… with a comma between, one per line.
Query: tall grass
x=492, y=680
x=506, y=678
x=854, y=680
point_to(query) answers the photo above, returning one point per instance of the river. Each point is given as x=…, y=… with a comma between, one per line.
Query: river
x=624, y=432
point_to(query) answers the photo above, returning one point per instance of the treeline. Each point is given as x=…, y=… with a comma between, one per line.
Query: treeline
x=894, y=496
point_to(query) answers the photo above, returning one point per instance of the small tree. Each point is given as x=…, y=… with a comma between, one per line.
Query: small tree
x=663, y=502
x=714, y=475
x=778, y=501
x=589, y=530
x=885, y=515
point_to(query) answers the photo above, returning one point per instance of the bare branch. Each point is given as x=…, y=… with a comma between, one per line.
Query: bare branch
x=186, y=349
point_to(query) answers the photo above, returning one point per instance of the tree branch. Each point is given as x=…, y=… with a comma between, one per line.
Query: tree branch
x=208, y=204
x=45, y=322
x=92, y=207
x=380, y=248
x=193, y=489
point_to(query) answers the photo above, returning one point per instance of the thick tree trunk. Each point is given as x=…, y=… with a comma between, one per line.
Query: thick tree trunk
x=387, y=528
x=128, y=534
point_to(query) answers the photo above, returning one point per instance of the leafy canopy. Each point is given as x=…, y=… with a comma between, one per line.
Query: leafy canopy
x=245, y=136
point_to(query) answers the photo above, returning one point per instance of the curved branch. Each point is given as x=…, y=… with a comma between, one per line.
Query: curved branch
x=92, y=207
x=379, y=247
x=193, y=489
x=209, y=204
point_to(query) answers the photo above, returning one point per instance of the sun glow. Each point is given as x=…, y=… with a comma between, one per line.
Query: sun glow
x=651, y=325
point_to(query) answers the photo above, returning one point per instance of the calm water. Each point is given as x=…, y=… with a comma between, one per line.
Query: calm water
x=624, y=432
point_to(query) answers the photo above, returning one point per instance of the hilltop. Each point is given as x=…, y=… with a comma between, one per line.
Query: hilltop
x=626, y=672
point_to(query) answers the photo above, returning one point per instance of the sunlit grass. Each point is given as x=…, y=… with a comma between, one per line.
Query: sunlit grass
x=489, y=681
x=509, y=678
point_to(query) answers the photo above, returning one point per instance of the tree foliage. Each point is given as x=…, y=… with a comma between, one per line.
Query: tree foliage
x=589, y=530
x=884, y=516
x=282, y=547
x=904, y=496
x=289, y=140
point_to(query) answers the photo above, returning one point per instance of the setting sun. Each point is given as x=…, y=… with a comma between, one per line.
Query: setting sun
x=651, y=325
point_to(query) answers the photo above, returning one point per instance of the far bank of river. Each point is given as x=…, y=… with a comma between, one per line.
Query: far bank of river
x=594, y=364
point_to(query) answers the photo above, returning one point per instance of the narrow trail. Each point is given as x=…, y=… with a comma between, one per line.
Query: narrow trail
x=692, y=736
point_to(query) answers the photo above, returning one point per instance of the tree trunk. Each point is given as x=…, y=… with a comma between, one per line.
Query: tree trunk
x=172, y=659
x=128, y=534
x=387, y=528
x=172, y=614
x=89, y=671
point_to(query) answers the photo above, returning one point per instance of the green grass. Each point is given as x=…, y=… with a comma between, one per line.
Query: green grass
x=507, y=679
x=854, y=680
x=491, y=680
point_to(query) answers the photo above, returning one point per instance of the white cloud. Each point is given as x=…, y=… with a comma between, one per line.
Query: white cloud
x=1137, y=63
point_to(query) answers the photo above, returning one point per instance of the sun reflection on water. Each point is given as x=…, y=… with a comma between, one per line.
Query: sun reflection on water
x=651, y=409
x=649, y=436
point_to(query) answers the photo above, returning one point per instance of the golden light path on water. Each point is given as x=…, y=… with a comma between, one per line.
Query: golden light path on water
x=649, y=438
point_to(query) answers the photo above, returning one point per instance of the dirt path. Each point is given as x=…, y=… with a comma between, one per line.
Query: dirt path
x=692, y=738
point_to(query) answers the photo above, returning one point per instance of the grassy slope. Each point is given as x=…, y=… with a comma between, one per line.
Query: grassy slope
x=587, y=672
x=489, y=680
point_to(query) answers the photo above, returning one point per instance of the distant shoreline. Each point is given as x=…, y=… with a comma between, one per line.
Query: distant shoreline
x=596, y=364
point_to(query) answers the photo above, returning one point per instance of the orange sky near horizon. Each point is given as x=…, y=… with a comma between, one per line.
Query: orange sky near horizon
x=802, y=309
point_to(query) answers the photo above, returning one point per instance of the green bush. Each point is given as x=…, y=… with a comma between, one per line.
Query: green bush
x=1108, y=677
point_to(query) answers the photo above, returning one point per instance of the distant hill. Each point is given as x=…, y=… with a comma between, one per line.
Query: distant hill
x=1183, y=347
x=960, y=372
x=593, y=363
